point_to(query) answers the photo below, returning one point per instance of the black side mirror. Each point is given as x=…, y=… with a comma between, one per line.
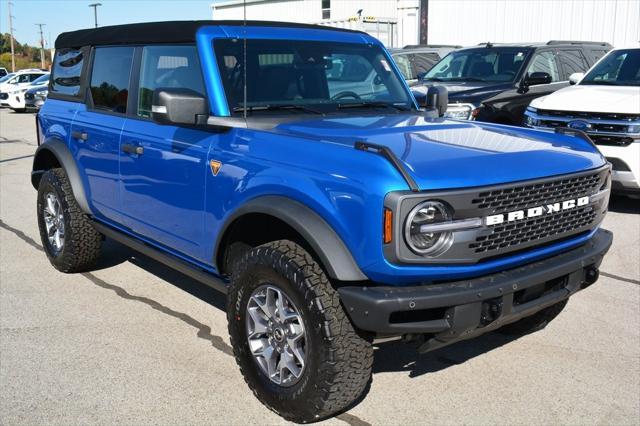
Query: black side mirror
x=537, y=78
x=179, y=106
x=420, y=75
x=437, y=100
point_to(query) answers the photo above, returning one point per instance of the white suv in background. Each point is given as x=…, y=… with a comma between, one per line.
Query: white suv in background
x=604, y=103
x=17, y=83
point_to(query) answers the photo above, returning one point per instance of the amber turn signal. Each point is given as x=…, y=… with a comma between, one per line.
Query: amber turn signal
x=388, y=220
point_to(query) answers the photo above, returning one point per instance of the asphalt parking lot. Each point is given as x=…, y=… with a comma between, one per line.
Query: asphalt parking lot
x=133, y=342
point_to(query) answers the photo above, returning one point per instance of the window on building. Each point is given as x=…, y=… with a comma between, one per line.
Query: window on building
x=545, y=62
x=67, y=68
x=167, y=66
x=326, y=9
x=110, y=78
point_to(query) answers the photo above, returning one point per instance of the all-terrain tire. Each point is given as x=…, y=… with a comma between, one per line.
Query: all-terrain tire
x=82, y=243
x=339, y=358
x=535, y=322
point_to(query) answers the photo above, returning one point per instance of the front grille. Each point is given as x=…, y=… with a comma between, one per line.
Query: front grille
x=611, y=140
x=589, y=115
x=519, y=197
x=532, y=231
x=28, y=96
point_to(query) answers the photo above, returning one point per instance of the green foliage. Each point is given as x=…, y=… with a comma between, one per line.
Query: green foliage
x=26, y=56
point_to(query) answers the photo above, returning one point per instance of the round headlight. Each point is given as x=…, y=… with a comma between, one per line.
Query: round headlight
x=428, y=243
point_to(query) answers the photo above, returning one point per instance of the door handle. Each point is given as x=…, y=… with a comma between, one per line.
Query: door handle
x=81, y=136
x=132, y=149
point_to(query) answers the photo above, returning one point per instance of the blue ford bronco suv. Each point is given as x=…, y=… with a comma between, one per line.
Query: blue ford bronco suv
x=261, y=159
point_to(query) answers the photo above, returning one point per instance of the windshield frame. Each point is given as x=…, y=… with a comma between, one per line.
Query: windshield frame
x=525, y=50
x=325, y=107
x=602, y=63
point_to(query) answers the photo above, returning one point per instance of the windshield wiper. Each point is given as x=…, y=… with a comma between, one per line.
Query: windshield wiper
x=372, y=105
x=432, y=79
x=279, y=107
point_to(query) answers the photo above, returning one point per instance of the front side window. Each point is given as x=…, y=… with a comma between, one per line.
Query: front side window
x=483, y=65
x=402, y=61
x=304, y=73
x=67, y=68
x=618, y=68
x=110, y=78
x=167, y=67
x=545, y=62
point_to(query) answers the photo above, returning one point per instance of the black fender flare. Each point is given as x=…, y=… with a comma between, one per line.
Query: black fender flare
x=61, y=152
x=333, y=253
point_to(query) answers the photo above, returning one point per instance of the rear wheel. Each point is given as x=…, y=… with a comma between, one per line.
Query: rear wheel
x=68, y=239
x=535, y=322
x=293, y=342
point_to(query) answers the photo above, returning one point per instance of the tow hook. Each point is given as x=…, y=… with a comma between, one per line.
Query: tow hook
x=591, y=275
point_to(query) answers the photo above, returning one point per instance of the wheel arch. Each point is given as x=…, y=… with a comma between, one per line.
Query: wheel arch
x=55, y=153
x=298, y=219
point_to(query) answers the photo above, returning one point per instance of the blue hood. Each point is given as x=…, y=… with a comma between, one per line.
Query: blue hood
x=446, y=154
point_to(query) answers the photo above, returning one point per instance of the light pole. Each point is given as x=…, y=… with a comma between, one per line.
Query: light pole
x=95, y=12
x=41, y=46
x=13, y=53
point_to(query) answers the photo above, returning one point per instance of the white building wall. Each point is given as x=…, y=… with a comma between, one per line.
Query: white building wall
x=468, y=22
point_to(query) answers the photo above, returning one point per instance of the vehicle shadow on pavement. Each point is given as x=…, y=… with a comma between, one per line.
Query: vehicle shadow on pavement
x=115, y=253
x=398, y=356
x=388, y=356
x=620, y=204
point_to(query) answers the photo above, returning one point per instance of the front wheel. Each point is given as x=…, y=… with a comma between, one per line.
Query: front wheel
x=293, y=342
x=68, y=238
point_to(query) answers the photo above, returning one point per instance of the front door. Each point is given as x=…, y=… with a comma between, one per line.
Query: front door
x=163, y=168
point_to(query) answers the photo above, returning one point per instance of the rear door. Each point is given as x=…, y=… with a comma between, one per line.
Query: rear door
x=95, y=132
x=163, y=187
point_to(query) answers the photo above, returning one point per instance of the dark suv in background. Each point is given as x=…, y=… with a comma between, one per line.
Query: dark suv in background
x=496, y=82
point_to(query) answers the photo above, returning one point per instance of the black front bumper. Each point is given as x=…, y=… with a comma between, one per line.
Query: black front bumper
x=458, y=310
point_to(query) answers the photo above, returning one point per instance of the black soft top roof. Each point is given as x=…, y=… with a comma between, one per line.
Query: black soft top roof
x=160, y=32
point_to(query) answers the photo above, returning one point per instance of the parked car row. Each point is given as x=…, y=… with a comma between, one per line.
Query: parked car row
x=605, y=104
x=24, y=90
x=543, y=86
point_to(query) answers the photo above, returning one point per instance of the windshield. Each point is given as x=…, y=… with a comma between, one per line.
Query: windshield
x=43, y=79
x=6, y=77
x=486, y=64
x=310, y=76
x=618, y=68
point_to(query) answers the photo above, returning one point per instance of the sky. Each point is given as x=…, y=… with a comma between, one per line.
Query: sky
x=68, y=15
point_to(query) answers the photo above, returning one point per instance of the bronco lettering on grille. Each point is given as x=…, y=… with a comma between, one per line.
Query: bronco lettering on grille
x=536, y=211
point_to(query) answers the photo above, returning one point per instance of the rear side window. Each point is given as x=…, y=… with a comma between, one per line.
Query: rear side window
x=67, y=68
x=571, y=61
x=110, y=78
x=423, y=62
x=167, y=66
